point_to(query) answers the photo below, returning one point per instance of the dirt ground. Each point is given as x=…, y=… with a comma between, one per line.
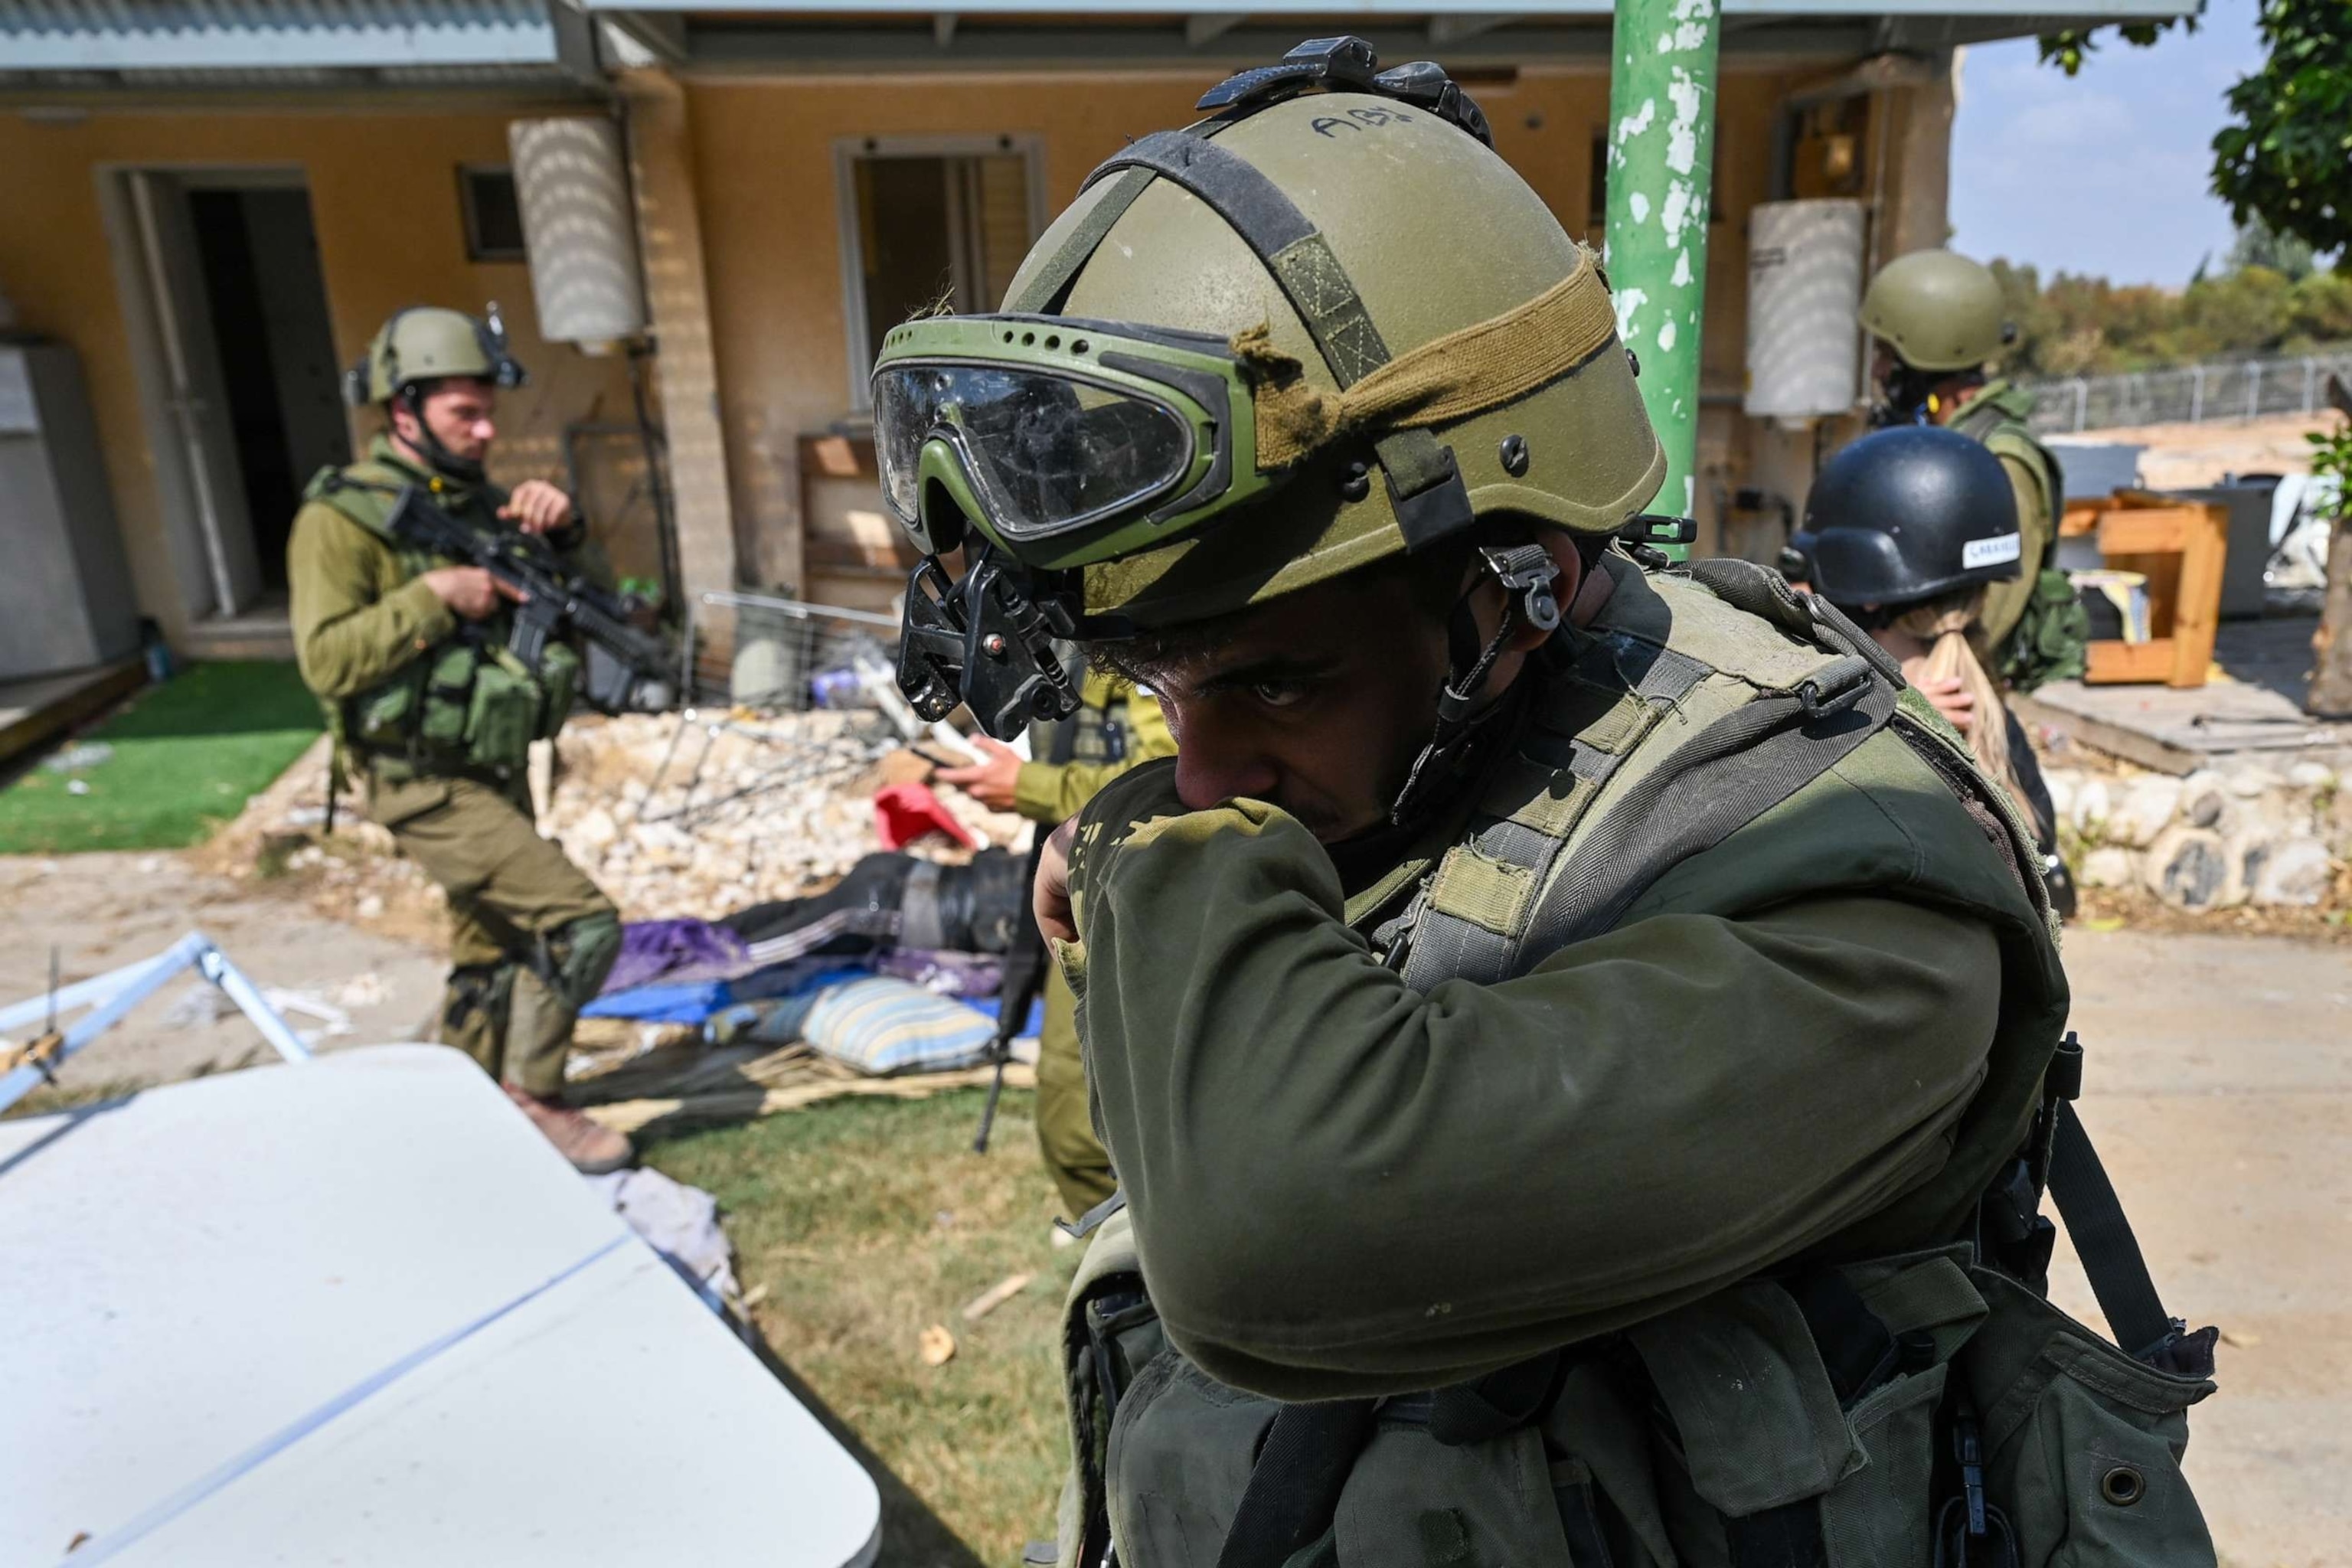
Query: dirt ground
x=2220, y=1091
x=100, y=911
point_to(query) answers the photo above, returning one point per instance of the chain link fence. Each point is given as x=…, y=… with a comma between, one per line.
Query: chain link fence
x=2193, y=394
x=783, y=656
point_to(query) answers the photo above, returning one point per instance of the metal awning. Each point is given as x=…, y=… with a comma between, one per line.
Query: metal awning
x=1009, y=35
x=186, y=44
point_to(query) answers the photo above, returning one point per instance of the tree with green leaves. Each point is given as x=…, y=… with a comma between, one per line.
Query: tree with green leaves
x=2285, y=161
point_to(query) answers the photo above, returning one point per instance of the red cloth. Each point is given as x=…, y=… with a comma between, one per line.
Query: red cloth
x=905, y=812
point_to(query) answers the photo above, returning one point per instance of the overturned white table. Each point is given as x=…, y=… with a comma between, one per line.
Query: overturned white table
x=356, y=1312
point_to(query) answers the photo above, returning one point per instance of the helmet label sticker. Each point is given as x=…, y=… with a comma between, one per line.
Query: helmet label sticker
x=1997, y=550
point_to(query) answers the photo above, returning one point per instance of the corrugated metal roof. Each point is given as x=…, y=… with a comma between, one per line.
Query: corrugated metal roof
x=272, y=36
x=848, y=11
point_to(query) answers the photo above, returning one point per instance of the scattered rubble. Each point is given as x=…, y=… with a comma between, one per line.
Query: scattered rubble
x=674, y=815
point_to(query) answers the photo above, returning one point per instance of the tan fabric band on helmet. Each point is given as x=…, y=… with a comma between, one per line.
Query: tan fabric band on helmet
x=1480, y=367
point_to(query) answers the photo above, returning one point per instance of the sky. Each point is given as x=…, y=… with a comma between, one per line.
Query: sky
x=2104, y=173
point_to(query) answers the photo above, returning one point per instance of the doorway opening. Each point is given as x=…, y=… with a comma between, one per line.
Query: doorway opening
x=931, y=221
x=261, y=263
x=245, y=393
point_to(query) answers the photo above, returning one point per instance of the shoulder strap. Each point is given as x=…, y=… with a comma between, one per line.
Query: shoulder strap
x=2102, y=1238
x=364, y=499
x=1719, y=781
x=1732, y=772
x=1472, y=921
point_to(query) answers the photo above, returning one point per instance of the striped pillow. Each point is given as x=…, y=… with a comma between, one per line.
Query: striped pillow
x=885, y=1026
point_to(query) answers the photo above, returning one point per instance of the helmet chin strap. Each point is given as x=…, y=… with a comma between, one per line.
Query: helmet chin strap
x=1526, y=573
x=442, y=461
x=1906, y=397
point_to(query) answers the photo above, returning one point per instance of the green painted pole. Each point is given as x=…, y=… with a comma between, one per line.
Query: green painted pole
x=1661, y=171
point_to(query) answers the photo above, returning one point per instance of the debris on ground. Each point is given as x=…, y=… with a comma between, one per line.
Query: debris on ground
x=679, y=1222
x=682, y=1083
x=74, y=758
x=675, y=814
x=935, y=1346
x=995, y=1296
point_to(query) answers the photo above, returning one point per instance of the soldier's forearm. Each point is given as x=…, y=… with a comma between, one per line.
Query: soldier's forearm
x=1341, y=1186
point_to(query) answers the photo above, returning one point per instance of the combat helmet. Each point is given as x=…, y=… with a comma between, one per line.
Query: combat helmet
x=420, y=345
x=1937, y=311
x=1323, y=326
x=1906, y=514
x=424, y=343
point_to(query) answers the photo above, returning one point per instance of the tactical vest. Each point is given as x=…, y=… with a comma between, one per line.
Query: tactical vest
x=464, y=705
x=1096, y=733
x=1902, y=1396
x=2049, y=637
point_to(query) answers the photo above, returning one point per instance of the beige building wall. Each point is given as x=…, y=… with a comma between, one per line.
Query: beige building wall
x=384, y=198
x=765, y=173
x=737, y=206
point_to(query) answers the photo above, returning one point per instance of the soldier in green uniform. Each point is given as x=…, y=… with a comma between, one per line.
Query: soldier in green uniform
x=1115, y=727
x=1578, y=1039
x=431, y=714
x=1938, y=321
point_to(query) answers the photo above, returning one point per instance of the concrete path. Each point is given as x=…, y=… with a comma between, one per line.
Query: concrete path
x=2220, y=1093
x=100, y=911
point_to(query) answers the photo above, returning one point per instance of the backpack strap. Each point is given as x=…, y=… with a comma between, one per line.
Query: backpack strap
x=1720, y=780
x=1730, y=773
x=1505, y=900
x=1472, y=920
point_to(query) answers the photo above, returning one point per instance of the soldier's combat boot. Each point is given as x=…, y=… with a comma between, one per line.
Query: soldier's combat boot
x=592, y=1149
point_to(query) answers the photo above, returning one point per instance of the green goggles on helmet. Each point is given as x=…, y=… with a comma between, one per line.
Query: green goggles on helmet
x=1060, y=441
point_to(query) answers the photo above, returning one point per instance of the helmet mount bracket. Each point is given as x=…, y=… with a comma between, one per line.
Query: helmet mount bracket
x=985, y=641
x=1348, y=65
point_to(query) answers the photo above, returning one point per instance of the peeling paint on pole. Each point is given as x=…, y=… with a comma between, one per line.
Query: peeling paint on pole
x=1660, y=160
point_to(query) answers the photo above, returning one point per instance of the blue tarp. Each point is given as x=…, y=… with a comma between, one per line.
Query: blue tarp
x=696, y=1002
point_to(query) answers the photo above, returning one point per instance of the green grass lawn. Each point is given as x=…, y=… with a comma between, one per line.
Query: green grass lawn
x=187, y=754
x=865, y=1220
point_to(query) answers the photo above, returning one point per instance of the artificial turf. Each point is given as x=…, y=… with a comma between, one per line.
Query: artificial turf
x=185, y=756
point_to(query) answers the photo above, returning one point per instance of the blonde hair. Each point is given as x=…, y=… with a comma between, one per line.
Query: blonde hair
x=1945, y=625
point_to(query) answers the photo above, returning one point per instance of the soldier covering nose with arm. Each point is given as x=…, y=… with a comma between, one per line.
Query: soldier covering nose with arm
x=1578, y=1039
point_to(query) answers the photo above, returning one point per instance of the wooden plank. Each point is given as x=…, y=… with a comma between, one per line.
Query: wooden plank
x=2197, y=613
x=2080, y=517
x=680, y=1111
x=2151, y=532
x=2113, y=663
x=2106, y=735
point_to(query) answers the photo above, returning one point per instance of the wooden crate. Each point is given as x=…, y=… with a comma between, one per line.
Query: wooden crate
x=2180, y=547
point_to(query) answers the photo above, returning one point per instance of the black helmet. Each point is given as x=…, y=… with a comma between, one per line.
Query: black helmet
x=1907, y=514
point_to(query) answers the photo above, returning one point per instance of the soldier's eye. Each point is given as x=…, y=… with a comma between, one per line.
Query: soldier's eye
x=1279, y=693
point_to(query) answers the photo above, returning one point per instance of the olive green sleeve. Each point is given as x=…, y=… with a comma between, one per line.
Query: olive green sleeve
x=1054, y=793
x=350, y=631
x=2005, y=603
x=1340, y=1187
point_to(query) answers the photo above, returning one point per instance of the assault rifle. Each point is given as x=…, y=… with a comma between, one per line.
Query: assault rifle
x=624, y=669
